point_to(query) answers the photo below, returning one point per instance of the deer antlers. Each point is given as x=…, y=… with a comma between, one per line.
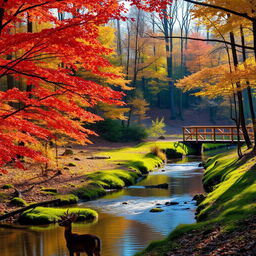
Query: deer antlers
x=70, y=216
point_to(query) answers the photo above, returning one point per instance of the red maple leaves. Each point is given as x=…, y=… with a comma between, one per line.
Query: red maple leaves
x=41, y=95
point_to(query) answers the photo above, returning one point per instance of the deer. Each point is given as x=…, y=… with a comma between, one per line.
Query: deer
x=79, y=243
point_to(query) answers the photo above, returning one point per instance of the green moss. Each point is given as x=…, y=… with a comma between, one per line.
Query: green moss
x=233, y=196
x=231, y=182
x=90, y=191
x=67, y=199
x=212, y=146
x=18, y=202
x=156, y=210
x=46, y=215
x=113, y=179
x=51, y=190
x=7, y=186
x=146, y=164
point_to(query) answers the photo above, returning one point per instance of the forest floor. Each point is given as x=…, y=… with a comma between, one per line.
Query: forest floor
x=73, y=168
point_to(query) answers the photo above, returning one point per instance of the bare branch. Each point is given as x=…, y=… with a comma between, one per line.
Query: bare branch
x=203, y=39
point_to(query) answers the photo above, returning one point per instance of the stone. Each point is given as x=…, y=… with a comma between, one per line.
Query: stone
x=68, y=152
x=156, y=210
x=164, y=186
x=199, y=198
x=171, y=153
x=171, y=203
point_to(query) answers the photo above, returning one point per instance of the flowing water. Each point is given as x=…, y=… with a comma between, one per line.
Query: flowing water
x=125, y=224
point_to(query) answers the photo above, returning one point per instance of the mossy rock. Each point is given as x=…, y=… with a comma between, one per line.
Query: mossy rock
x=51, y=190
x=156, y=210
x=7, y=186
x=67, y=199
x=199, y=198
x=71, y=164
x=47, y=215
x=171, y=153
x=89, y=192
x=18, y=202
x=68, y=152
x=113, y=179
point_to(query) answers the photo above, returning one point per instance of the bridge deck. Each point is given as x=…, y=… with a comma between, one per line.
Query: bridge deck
x=219, y=134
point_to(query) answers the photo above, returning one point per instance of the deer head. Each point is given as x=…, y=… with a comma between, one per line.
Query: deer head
x=67, y=218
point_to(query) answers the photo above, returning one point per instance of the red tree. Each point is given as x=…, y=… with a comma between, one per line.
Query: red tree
x=45, y=96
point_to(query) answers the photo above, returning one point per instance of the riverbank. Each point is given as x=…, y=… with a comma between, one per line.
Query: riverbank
x=86, y=172
x=226, y=217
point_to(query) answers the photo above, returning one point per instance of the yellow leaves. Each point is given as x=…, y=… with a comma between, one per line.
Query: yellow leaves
x=120, y=81
x=219, y=81
x=107, y=36
x=113, y=111
x=139, y=107
x=211, y=82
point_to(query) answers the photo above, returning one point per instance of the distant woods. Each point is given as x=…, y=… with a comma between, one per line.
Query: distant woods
x=196, y=55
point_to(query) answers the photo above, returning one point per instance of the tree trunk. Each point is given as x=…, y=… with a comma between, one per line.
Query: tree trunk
x=249, y=90
x=239, y=95
x=169, y=68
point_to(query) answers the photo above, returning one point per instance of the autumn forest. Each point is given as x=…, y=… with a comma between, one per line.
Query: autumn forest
x=130, y=121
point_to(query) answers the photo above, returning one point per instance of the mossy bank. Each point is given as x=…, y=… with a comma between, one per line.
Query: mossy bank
x=128, y=163
x=47, y=215
x=223, y=216
x=132, y=163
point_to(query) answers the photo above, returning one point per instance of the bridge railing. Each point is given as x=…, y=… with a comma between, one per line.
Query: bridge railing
x=214, y=133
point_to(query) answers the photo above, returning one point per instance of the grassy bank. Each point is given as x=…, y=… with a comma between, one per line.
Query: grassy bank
x=229, y=204
x=212, y=146
x=132, y=162
x=127, y=165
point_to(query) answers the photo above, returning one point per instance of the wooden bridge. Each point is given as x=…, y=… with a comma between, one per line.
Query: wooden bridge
x=213, y=134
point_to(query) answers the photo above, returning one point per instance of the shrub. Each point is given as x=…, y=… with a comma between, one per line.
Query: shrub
x=157, y=128
x=113, y=130
x=155, y=150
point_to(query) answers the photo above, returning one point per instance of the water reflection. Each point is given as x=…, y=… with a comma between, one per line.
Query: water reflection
x=123, y=228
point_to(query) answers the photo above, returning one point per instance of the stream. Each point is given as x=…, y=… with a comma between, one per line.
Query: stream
x=125, y=224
